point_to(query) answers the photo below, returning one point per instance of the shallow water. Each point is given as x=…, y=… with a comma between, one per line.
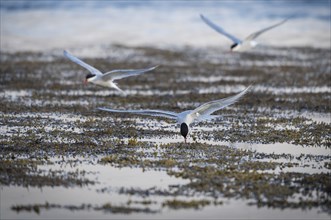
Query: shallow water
x=230, y=208
x=109, y=182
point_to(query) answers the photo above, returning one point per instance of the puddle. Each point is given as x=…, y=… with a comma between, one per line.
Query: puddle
x=109, y=182
x=273, y=90
x=293, y=90
x=55, y=116
x=14, y=95
x=229, y=209
x=222, y=89
x=81, y=202
x=283, y=148
x=314, y=116
x=274, y=148
x=212, y=79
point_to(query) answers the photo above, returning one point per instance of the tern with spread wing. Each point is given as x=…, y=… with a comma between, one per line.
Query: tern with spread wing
x=240, y=45
x=186, y=118
x=105, y=79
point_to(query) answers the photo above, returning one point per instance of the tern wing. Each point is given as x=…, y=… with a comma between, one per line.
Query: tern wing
x=258, y=33
x=81, y=63
x=220, y=30
x=160, y=113
x=210, y=107
x=120, y=74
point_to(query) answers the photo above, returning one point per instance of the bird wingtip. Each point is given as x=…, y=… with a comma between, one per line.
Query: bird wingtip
x=288, y=18
x=249, y=87
x=244, y=91
x=65, y=52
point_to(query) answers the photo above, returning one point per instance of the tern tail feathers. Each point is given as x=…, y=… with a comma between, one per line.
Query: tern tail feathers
x=117, y=88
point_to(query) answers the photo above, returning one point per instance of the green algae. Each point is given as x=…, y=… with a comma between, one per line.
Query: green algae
x=181, y=204
x=107, y=207
x=25, y=172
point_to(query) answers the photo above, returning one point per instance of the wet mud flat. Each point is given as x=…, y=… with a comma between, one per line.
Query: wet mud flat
x=269, y=154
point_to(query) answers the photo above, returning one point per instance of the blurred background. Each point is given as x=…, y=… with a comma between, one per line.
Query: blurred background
x=28, y=25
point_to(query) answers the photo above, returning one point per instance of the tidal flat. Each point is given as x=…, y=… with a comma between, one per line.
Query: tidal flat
x=267, y=156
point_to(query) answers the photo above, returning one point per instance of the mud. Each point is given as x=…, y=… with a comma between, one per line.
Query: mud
x=49, y=119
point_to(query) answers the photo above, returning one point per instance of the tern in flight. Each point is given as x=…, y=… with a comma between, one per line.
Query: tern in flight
x=105, y=79
x=240, y=45
x=186, y=118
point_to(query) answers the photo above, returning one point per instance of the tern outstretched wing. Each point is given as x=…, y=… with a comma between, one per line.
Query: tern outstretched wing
x=258, y=33
x=210, y=107
x=81, y=63
x=160, y=113
x=220, y=30
x=120, y=74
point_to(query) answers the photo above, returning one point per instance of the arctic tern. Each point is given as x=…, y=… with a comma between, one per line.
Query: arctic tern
x=240, y=45
x=105, y=79
x=186, y=118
